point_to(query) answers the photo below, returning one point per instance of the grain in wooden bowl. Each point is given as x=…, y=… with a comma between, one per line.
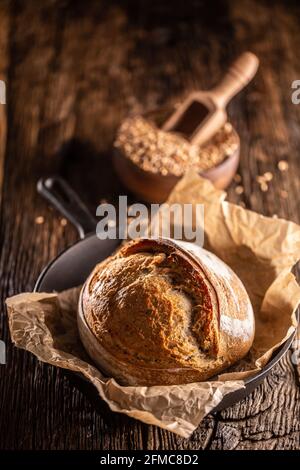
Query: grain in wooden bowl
x=150, y=161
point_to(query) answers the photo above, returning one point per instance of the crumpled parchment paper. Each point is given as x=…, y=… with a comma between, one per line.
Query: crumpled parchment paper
x=262, y=252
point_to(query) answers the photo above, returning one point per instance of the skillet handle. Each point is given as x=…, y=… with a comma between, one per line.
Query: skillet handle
x=57, y=191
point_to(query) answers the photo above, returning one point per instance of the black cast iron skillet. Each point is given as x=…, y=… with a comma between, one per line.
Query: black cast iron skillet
x=71, y=267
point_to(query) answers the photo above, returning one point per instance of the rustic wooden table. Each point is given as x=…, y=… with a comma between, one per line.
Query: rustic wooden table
x=74, y=70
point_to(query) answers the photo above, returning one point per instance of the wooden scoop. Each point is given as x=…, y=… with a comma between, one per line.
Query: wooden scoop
x=202, y=114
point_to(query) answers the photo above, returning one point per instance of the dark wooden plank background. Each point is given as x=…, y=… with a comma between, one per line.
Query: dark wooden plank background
x=74, y=70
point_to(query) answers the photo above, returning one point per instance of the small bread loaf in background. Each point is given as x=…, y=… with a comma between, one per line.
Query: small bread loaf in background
x=163, y=312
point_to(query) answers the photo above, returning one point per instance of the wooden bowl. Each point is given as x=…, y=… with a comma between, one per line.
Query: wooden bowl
x=155, y=187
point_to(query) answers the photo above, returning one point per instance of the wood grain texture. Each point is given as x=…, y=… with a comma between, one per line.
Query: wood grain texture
x=4, y=35
x=75, y=70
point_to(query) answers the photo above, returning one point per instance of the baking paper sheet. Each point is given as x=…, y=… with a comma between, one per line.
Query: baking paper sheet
x=262, y=252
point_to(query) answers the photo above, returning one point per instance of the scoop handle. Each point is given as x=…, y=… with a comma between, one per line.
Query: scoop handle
x=238, y=76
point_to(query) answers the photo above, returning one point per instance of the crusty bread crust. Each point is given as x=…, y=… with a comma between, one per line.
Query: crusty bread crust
x=163, y=312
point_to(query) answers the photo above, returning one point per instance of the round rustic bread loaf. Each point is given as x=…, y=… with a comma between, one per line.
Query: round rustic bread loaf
x=164, y=312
